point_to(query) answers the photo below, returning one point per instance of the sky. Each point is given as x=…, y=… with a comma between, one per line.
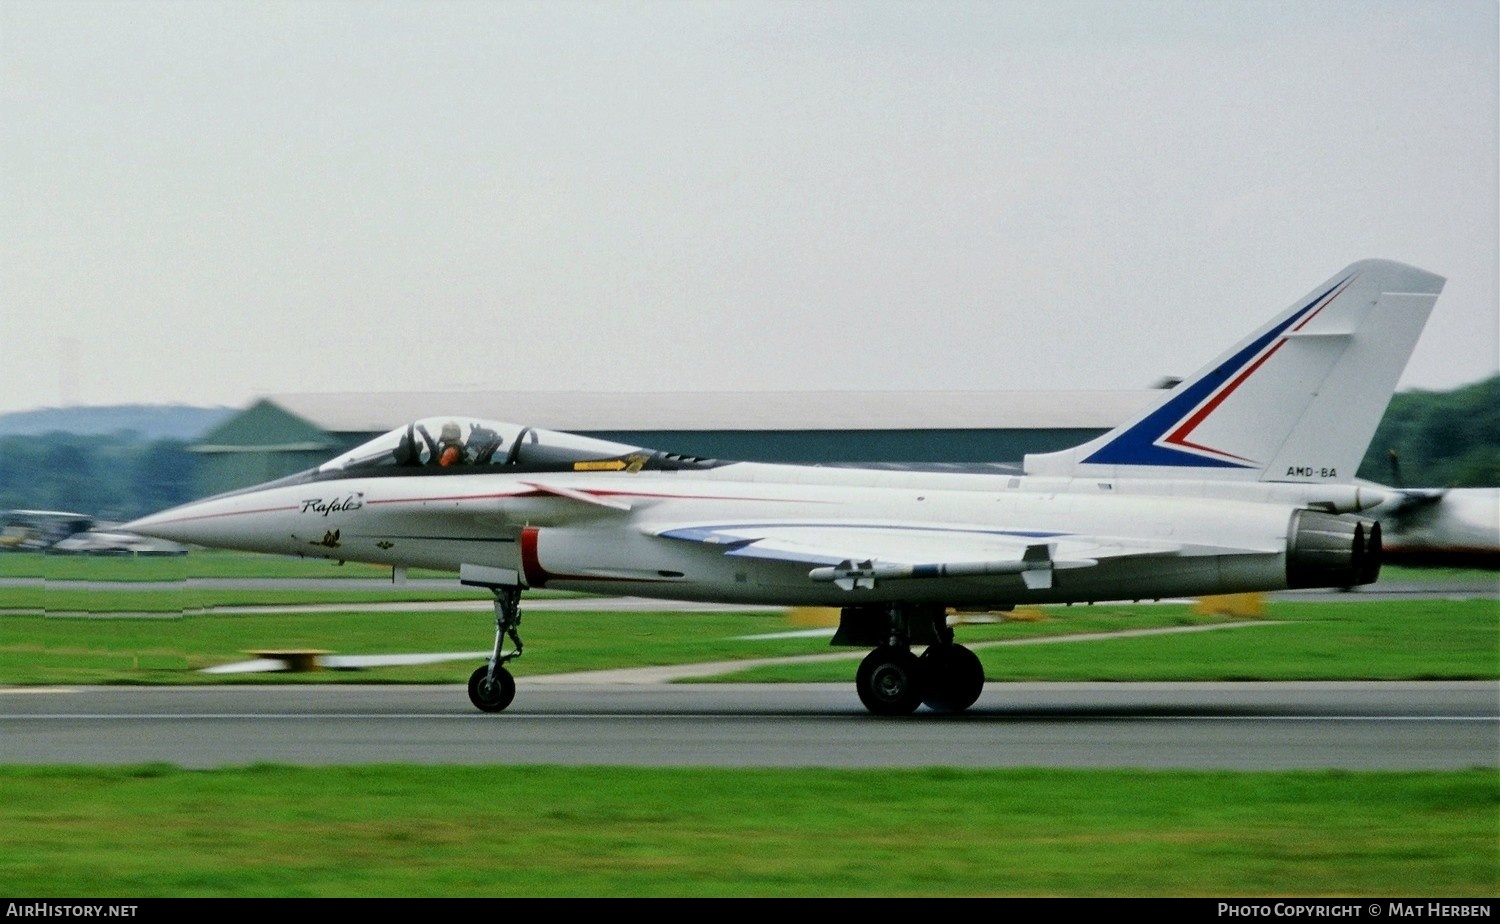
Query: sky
x=206, y=202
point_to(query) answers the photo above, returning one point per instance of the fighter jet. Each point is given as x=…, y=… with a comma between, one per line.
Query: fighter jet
x=1239, y=479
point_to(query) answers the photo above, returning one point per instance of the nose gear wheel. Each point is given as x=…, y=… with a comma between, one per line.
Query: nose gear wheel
x=491, y=691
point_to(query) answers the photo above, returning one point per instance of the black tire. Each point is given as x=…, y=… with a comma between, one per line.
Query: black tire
x=491, y=696
x=955, y=677
x=890, y=682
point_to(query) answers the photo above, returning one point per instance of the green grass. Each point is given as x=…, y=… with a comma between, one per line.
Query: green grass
x=620, y=832
x=1401, y=640
x=206, y=563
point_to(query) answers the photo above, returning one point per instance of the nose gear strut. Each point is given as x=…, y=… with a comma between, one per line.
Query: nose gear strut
x=491, y=688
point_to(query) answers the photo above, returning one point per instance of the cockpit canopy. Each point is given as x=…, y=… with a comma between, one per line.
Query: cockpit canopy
x=463, y=443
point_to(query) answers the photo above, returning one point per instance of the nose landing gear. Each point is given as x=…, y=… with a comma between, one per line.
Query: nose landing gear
x=491, y=687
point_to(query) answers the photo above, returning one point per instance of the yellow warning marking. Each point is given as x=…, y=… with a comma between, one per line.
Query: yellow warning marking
x=608, y=465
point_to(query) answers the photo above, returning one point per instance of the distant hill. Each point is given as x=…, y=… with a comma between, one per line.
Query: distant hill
x=148, y=421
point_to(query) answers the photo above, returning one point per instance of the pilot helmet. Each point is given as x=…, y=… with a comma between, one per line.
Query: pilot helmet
x=451, y=433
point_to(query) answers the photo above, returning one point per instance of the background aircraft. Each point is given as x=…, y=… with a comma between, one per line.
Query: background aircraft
x=37, y=530
x=1441, y=527
x=1240, y=479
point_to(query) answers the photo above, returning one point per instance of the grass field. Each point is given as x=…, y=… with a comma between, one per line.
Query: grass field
x=1377, y=640
x=406, y=831
x=621, y=832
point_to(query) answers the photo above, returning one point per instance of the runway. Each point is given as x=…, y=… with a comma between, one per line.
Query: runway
x=1227, y=726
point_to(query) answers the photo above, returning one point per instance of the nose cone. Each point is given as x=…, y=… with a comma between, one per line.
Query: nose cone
x=168, y=524
x=253, y=522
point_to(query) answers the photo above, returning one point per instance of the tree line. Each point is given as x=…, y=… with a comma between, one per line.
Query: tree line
x=1426, y=439
x=111, y=477
x=1432, y=439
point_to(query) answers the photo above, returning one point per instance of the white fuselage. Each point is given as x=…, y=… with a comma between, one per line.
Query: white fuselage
x=602, y=532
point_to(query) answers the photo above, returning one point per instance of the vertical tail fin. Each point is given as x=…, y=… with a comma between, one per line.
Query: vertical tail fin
x=1297, y=400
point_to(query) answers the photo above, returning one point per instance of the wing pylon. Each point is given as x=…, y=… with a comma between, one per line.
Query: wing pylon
x=1035, y=566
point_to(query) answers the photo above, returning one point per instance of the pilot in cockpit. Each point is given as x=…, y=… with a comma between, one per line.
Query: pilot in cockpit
x=450, y=447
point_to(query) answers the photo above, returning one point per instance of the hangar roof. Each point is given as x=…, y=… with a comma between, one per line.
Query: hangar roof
x=367, y=412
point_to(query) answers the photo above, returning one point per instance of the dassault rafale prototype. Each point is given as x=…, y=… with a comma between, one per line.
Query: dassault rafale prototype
x=1239, y=479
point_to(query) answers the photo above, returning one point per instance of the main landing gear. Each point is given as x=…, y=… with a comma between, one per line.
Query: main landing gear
x=892, y=680
x=491, y=687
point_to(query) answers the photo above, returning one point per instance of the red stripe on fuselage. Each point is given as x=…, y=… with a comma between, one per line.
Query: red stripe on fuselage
x=450, y=497
x=231, y=513
x=594, y=492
